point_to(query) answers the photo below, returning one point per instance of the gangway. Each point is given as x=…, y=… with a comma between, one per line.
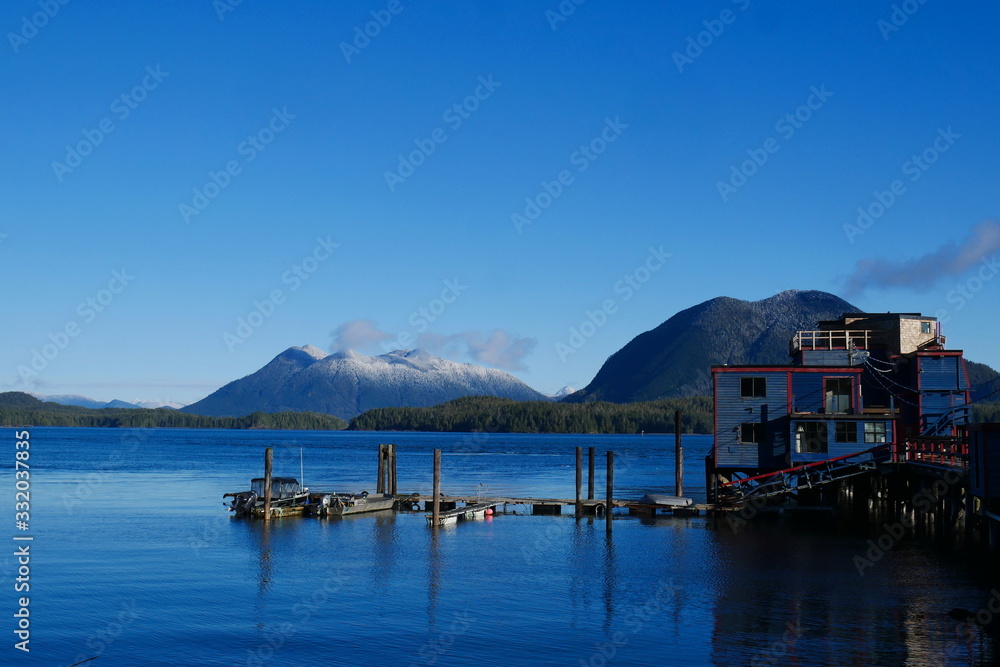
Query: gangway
x=807, y=476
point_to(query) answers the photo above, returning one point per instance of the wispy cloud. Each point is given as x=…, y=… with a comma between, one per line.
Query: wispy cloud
x=497, y=348
x=358, y=335
x=923, y=272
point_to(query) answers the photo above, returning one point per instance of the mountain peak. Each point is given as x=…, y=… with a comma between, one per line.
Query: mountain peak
x=674, y=359
x=348, y=383
x=312, y=351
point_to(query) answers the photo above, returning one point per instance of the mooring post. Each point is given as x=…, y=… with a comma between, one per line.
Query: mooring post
x=579, y=482
x=590, y=473
x=392, y=470
x=380, y=481
x=268, y=463
x=678, y=455
x=436, y=505
x=611, y=492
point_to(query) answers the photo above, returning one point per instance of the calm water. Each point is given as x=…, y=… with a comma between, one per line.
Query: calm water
x=135, y=560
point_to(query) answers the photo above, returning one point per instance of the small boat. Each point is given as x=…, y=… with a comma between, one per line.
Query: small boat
x=664, y=501
x=340, y=504
x=288, y=498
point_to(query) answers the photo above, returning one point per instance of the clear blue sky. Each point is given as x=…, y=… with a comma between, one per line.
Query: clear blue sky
x=309, y=128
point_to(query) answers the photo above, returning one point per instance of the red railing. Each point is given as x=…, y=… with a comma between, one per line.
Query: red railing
x=874, y=452
x=936, y=451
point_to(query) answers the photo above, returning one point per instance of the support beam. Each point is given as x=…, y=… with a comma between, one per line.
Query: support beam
x=391, y=474
x=436, y=511
x=590, y=473
x=380, y=480
x=268, y=464
x=579, y=482
x=610, y=501
x=678, y=455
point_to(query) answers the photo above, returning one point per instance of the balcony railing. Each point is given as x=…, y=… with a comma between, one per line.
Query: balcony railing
x=943, y=451
x=835, y=340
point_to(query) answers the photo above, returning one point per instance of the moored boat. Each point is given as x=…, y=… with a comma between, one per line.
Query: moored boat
x=340, y=504
x=288, y=498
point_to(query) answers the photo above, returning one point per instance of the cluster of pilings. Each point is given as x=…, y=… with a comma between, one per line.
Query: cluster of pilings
x=923, y=502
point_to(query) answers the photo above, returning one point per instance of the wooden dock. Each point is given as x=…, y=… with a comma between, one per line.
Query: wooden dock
x=457, y=505
x=468, y=512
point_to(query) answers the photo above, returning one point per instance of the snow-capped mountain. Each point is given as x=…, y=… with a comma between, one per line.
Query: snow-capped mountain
x=346, y=384
x=87, y=402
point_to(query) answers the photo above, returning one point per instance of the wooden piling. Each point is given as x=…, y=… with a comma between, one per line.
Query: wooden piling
x=590, y=473
x=268, y=464
x=611, y=492
x=380, y=480
x=436, y=505
x=678, y=455
x=392, y=470
x=579, y=482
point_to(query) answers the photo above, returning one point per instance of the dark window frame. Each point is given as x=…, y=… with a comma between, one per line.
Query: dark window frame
x=757, y=387
x=829, y=395
x=820, y=436
x=845, y=432
x=872, y=435
x=755, y=431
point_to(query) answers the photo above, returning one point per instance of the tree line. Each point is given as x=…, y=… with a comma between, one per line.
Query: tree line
x=503, y=415
x=19, y=409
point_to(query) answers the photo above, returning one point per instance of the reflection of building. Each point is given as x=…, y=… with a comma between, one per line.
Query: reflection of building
x=855, y=383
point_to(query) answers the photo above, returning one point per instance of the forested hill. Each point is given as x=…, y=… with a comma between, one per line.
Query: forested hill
x=20, y=409
x=499, y=415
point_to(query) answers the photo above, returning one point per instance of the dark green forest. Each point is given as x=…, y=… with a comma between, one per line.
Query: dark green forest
x=500, y=415
x=20, y=409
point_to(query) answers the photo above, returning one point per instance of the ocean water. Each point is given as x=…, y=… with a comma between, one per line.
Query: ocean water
x=134, y=561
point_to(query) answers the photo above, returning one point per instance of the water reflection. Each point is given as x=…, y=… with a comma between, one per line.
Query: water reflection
x=785, y=596
x=610, y=582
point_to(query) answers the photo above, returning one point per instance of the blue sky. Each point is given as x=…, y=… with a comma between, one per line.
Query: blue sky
x=476, y=178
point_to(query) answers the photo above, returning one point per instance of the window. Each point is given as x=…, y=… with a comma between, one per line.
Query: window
x=838, y=395
x=875, y=432
x=811, y=438
x=925, y=327
x=751, y=433
x=753, y=387
x=846, y=432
